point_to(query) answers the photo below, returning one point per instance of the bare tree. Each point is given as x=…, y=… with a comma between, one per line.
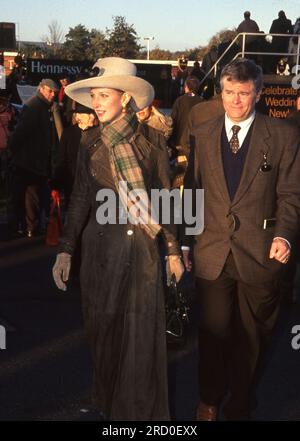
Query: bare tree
x=221, y=37
x=54, y=39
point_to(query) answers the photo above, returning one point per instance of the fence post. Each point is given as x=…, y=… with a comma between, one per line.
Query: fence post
x=244, y=45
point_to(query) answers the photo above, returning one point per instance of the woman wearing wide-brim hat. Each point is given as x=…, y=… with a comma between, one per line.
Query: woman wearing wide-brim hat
x=121, y=277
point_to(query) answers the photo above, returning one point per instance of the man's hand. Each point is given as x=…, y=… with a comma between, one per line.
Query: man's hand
x=186, y=260
x=280, y=251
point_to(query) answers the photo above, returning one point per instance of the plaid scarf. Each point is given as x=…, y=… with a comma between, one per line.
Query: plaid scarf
x=124, y=165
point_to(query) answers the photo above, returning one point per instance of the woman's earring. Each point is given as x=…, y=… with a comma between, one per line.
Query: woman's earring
x=126, y=99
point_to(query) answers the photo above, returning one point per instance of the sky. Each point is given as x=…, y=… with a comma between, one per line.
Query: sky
x=174, y=24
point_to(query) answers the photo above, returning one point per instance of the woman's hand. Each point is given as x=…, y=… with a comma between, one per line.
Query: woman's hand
x=186, y=260
x=61, y=270
x=174, y=266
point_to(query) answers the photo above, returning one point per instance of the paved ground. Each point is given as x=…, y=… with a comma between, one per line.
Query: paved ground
x=45, y=372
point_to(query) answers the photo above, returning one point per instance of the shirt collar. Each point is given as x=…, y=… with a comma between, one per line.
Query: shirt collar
x=244, y=125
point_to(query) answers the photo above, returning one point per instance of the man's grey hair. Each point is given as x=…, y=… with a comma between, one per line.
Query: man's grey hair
x=243, y=70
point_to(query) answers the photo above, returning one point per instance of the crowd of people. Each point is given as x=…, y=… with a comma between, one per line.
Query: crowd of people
x=107, y=131
x=40, y=147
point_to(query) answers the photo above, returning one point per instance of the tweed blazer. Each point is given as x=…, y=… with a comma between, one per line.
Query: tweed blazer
x=266, y=203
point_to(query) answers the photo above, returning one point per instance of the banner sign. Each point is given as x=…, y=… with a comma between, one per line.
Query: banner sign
x=277, y=101
x=39, y=68
x=159, y=75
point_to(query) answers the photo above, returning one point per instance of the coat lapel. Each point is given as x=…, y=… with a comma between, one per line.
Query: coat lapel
x=214, y=154
x=254, y=159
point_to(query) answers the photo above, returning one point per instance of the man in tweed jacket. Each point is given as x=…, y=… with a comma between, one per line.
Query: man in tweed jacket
x=249, y=166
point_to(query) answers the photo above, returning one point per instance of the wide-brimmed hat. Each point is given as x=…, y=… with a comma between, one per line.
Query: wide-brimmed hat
x=113, y=73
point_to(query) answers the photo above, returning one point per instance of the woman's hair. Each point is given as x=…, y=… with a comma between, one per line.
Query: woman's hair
x=243, y=70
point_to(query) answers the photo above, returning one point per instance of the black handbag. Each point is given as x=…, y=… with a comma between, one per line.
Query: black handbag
x=176, y=313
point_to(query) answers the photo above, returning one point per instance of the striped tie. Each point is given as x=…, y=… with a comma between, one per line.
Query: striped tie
x=234, y=142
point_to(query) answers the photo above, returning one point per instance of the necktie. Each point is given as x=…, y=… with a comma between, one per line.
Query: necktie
x=234, y=142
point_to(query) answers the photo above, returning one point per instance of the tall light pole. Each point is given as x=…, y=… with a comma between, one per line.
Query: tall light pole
x=148, y=46
x=19, y=43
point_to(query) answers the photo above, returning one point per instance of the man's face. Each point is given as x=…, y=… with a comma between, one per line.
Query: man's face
x=239, y=99
x=47, y=93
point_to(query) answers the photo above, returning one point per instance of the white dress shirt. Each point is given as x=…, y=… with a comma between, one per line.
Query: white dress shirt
x=244, y=125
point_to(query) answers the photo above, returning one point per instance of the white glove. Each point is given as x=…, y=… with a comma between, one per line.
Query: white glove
x=174, y=266
x=61, y=270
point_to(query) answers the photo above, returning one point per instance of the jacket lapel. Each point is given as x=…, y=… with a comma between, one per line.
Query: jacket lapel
x=254, y=159
x=214, y=154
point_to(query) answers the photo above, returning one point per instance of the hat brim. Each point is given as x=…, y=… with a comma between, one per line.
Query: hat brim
x=141, y=91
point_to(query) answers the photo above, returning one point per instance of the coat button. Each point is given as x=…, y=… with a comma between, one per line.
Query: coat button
x=129, y=232
x=101, y=233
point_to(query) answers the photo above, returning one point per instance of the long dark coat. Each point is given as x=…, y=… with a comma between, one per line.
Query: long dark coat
x=65, y=170
x=122, y=292
x=32, y=138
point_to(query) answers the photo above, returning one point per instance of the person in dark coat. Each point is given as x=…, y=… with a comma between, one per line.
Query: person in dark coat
x=182, y=107
x=64, y=173
x=197, y=71
x=209, y=59
x=208, y=62
x=30, y=145
x=251, y=41
x=199, y=114
x=180, y=113
x=248, y=25
x=121, y=280
x=281, y=25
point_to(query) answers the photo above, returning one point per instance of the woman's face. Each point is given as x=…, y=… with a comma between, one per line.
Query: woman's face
x=107, y=103
x=84, y=120
x=144, y=114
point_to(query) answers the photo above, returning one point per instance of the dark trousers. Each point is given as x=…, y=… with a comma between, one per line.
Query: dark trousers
x=237, y=319
x=27, y=194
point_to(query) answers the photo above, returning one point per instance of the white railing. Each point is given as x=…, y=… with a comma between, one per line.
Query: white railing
x=243, y=52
